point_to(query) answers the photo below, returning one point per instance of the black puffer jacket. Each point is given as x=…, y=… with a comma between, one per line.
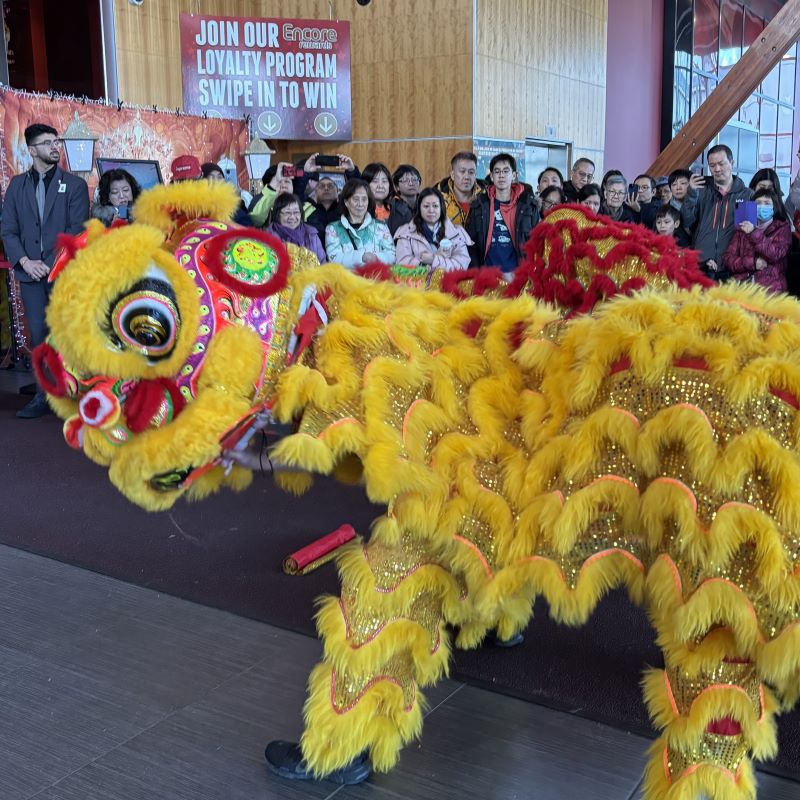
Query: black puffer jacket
x=708, y=214
x=399, y=214
x=480, y=222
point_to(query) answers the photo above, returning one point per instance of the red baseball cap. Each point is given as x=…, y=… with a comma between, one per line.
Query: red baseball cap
x=186, y=168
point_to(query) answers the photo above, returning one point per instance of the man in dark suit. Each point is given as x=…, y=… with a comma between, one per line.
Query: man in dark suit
x=39, y=205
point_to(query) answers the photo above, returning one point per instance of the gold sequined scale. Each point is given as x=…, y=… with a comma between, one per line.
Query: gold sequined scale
x=651, y=446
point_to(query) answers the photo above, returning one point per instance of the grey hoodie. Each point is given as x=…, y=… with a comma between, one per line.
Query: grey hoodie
x=708, y=214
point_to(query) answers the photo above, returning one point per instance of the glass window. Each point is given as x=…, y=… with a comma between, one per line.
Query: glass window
x=783, y=151
x=769, y=117
x=706, y=35
x=730, y=35
x=701, y=89
x=710, y=38
x=753, y=27
x=748, y=113
x=787, y=68
x=785, y=119
x=729, y=135
x=680, y=99
x=766, y=151
x=684, y=15
x=769, y=86
x=748, y=152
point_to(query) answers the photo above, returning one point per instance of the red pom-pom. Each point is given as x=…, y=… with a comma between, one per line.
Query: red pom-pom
x=91, y=406
x=143, y=402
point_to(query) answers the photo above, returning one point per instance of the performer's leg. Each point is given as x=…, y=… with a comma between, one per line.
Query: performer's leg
x=711, y=702
x=712, y=723
x=35, y=296
x=382, y=639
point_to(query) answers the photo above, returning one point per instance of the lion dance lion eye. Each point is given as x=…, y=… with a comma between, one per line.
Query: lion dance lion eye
x=146, y=320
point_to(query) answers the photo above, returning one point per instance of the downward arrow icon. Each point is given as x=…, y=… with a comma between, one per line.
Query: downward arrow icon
x=326, y=124
x=269, y=123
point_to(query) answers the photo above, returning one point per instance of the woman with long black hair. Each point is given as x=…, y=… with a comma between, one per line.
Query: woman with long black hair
x=388, y=208
x=431, y=237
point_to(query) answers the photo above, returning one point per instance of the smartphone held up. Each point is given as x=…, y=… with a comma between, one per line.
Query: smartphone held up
x=327, y=161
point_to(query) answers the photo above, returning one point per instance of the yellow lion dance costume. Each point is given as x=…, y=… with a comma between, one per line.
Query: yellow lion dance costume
x=652, y=444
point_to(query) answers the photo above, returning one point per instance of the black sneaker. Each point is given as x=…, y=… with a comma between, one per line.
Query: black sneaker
x=36, y=408
x=514, y=641
x=286, y=759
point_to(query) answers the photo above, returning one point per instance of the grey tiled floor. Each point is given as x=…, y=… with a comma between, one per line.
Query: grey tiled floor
x=113, y=692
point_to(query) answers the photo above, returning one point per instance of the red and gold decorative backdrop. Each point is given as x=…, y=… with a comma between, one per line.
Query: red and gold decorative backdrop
x=131, y=133
x=125, y=133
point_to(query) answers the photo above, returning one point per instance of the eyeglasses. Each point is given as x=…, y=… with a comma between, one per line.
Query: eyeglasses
x=615, y=192
x=409, y=179
x=49, y=143
x=586, y=176
x=502, y=172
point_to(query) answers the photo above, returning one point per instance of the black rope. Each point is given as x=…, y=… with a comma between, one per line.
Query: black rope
x=263, y=452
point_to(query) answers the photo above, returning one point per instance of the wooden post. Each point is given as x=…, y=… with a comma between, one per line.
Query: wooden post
x=732, y=91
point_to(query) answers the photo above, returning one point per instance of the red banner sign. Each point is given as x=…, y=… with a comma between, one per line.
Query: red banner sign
x=292, y=76
x=133, y=133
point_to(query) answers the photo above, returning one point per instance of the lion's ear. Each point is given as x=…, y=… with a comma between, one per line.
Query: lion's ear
x=69, y=245
x=170, y=207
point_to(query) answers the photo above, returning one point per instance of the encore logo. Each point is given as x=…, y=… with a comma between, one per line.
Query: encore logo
x=292, y=33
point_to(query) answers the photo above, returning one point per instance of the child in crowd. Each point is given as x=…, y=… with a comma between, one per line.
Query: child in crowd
x=668, y=223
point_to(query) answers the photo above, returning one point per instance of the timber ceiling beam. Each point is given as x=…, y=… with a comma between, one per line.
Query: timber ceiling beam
x=712, y=116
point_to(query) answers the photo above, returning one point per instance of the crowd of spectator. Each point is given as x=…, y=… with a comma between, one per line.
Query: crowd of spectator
x=464, y=220
x=356, y=217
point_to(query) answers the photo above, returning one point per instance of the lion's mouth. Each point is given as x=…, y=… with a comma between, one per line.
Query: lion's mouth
x=170, y=481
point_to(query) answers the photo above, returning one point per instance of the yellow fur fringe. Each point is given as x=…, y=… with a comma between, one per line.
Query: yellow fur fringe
x=378, y=723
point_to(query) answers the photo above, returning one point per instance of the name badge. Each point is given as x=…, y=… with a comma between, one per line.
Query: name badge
x=62, y=187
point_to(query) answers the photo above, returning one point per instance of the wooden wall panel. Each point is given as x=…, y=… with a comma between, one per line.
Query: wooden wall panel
x=542, y=63
x=411, y=67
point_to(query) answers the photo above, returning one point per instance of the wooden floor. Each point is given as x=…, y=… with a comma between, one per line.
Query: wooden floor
x=113, y=692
